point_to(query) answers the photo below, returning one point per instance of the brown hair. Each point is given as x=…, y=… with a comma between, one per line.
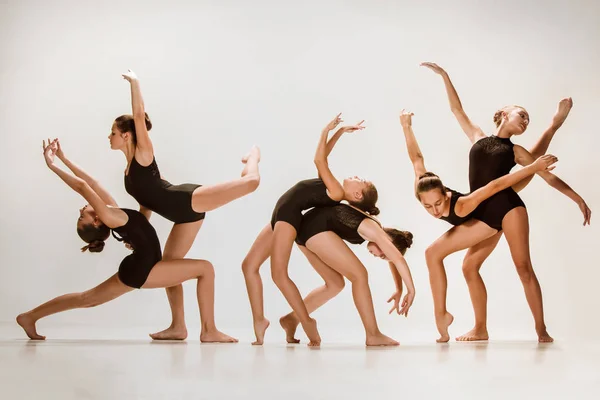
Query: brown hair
x=498, y=114
x=367, y=204
x=429, y=181
x=94, y=236
x=125, y=124
x=401, y=239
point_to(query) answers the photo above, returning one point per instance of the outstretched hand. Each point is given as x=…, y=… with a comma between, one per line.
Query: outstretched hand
x=407, y=303
x=396, y=297
x=334, y=122
x=129, y=76
x=544, y=163
x=353, y=128
x=587, y=213
x=59, y=152
x=49, y=151
x=434, y=67
x=562, y=112
x=406, y=117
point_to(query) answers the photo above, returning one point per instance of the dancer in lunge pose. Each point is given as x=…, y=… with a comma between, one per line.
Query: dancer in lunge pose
x=141, y=269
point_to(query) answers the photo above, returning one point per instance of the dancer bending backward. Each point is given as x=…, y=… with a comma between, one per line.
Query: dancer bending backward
x=450, y=205
x=141, y=269
x=277, y=238
x=491, y=157
x=321, y=239
x=185, y=205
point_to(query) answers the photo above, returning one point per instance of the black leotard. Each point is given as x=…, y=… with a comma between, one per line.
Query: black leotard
x=340, y=219
x=141, y=236
x=173, y=202
x=489, y=159
x=452, y=217
x=300, y=197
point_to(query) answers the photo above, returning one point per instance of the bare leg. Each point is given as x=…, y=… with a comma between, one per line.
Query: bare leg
x=335, y=253
x=208, y=198
x=472, y=263
x=174, y=272
x=456, y=239
x=258, y=254
x=516, y=229
x=284, y=235
x=178, y=244
x=334, y=283
x=105, y=292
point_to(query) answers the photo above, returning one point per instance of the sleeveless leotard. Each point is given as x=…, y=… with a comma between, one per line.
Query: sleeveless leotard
x=300, y=197
x=489, y=159
x=340, y=219
x=141, y=236
x=173, y=202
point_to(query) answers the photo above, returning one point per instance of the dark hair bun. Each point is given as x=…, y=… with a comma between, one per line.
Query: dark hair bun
x=408, y=237
x=95, y=246
x=148, y=122
x=374, y=211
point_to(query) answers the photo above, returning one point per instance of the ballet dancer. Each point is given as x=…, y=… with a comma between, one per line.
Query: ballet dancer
x=185, y=205
x=321, y=240
x=277, y=238
x=143, y=269
x=491, y=157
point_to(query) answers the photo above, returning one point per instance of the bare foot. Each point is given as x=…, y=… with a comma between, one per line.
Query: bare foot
x=254, y=152
x=259, y=330
x=544, y=337
x=28, y=325
x=310, y=328
x=473, y=335
x=171, y=333
x=289, y=325
x=381, y=340
x=442, y=324
x=216, y=337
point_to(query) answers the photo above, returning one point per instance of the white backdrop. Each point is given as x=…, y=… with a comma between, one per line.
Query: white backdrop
x=218, y=77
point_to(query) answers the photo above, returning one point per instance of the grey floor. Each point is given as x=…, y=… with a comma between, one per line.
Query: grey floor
x=118, y=368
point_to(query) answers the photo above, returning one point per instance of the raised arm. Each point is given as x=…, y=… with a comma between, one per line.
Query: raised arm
x=335, y=189
x=414, y=152
x=473, y=132
x=371, y=231
x=80, y=173
x=541, y=146
x=466, y=204
x=524, y=158
x=338, y=134
x=111, y=217
x=144, y=144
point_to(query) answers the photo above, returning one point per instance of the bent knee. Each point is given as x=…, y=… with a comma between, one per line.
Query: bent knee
x=525, y=271
x=336, y=285
x=279, y=277
x=248, y=267
x=207, y=270
x=471, y=267
x=358, y=277
x=433, y=253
